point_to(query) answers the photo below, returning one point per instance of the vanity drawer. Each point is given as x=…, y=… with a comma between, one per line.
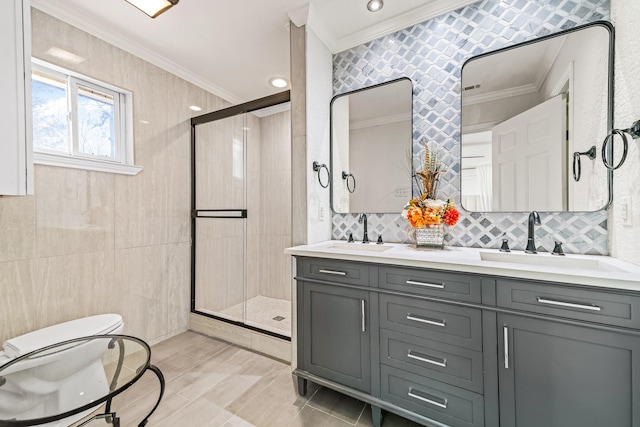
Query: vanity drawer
x=449, y=324
x=452, y=365
x=348, y=272
x=582, y=304
x=461, y=287
x=447, y=404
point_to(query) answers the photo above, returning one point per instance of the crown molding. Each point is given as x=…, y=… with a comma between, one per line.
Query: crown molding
x=399, y=22
x=321, y=30
x=379, y=121
x=109, y=36
x=500, y=94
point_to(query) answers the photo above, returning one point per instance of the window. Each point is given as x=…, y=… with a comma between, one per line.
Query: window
x=80, y=122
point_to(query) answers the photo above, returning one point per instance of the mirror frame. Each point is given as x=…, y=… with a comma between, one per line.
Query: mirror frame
x=610, y=93
x=331, y=150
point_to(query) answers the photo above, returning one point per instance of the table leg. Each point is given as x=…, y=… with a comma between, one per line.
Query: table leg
x=158, y=373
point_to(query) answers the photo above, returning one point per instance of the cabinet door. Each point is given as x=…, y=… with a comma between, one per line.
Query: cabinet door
x=560, y=375
x=336, y=338
x=16, y=165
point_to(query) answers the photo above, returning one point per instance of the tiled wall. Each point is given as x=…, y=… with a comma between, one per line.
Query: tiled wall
x=91, y=242
x=432, y=54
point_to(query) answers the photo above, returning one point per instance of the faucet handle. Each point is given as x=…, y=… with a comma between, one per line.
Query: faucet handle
x=350, y=238
x=505, y=246
x=557, y=249
x=379, y=242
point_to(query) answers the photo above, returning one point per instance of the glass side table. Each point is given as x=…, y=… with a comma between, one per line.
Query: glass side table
x=65, y=382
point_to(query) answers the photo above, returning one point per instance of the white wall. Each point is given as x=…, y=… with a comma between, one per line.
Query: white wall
x=623, y=239
x=372, y=150
x=319, y=91
x=589, y=109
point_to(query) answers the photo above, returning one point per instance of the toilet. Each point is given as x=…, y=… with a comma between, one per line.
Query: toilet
x=60, y=380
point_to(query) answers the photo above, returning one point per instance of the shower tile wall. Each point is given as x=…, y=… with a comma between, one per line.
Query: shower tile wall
x=269, y=205
x=275, y=199
x=432, y=54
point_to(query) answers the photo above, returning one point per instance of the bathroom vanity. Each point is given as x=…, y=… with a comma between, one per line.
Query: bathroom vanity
x=464, y=337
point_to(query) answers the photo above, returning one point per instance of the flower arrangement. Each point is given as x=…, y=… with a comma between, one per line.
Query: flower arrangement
x=426, y=210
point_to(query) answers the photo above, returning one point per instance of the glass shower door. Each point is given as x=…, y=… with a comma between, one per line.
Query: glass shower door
x=220, y=210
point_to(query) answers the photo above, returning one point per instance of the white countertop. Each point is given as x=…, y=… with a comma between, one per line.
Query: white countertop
x=592, y=270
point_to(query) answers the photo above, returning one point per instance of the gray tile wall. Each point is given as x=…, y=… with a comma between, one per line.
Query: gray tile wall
x=431, y=54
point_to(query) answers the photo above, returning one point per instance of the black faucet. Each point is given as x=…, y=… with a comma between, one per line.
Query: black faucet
x=534, y=219
x=361, y=220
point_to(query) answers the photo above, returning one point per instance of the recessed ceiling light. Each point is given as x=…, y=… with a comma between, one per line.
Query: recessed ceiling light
x=278, y=82
x=153, y=8
x=194, y=108
x=374, y=5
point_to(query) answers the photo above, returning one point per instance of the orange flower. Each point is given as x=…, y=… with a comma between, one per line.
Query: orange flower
x=425, y=213
x=450, y=216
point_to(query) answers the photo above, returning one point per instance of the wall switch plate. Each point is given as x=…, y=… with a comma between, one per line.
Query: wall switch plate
x=626, y=213
x=320, y=213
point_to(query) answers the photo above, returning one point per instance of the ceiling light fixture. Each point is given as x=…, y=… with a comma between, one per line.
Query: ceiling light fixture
x=278, y=82
x=374, y=5
x=194, y=108
x=153, y=8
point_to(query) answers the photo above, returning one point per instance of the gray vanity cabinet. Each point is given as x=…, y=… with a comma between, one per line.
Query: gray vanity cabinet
x=452, y=349
x=336, y=340
x=557, y=374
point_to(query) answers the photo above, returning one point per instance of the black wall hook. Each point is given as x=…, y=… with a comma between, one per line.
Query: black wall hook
x=317, y=167
x=346, y=176
x=634, y=131
x=577, y=166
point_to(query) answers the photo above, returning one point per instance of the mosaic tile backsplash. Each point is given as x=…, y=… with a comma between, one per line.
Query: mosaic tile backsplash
x=431, y=54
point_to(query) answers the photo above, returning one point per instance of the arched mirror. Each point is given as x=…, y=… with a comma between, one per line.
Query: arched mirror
x=531, y=115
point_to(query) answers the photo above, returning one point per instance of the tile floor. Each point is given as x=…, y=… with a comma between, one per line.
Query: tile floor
x=214, y=383
x=261, y=312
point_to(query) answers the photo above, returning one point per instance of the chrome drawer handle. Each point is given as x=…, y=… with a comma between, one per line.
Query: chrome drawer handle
x=364, y=321
x=427, y=360
x=440, y=323
x=428, y=285
x=591, y=307
x=505, y=330
x=337, y=273
x=429, y=401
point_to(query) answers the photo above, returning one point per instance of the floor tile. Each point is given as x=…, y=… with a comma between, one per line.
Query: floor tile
x=339, y=405
x=311, y=417
x=212, y=383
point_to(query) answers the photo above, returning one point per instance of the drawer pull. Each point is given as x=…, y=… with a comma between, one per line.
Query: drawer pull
x=428, y=285
x=426, y=400
x=440, y=323
x=505, y=330
x=592, y=307
x=335, y=273
x=364, y=321
x=425, y=359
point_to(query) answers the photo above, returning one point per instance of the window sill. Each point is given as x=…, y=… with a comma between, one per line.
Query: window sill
x=86, y=164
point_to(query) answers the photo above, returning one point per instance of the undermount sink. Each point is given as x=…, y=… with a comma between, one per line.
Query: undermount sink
x=360, y=247
x=548, y=260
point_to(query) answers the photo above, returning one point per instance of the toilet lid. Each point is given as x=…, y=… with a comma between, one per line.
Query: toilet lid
x=94, y=325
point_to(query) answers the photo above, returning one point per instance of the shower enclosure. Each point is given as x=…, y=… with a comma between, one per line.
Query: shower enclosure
x=241, y=215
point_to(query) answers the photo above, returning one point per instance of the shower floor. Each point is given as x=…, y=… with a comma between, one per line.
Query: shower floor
x=261, y=312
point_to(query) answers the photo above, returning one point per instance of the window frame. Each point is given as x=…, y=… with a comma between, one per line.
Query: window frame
x=123, y=161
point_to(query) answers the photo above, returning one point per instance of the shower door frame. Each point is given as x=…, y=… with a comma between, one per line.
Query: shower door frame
x=247, y=107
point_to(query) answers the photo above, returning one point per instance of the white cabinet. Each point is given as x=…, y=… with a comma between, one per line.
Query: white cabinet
x=16, y=165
